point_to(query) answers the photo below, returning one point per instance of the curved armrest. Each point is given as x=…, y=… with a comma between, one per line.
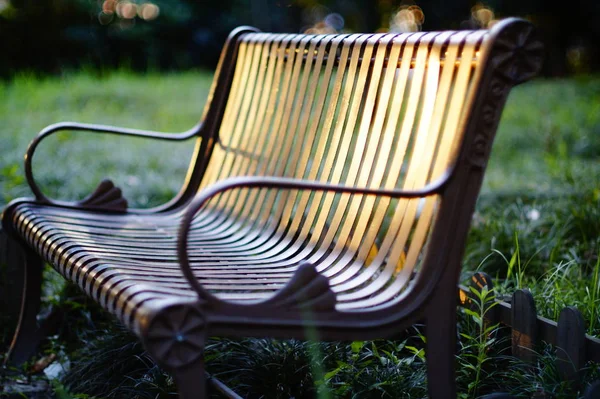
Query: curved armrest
x=73, y=126
x=435, y=187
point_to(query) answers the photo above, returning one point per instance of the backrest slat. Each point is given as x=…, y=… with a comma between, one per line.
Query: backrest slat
x=421, y=163
x=366, y=110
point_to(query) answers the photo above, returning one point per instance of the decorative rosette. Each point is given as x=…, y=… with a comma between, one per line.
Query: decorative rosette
x=176, y=336
x=518, y=53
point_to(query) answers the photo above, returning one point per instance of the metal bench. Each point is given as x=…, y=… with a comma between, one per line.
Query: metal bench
x=329, y=197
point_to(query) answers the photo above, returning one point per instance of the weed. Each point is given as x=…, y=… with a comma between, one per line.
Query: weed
x=478, y=339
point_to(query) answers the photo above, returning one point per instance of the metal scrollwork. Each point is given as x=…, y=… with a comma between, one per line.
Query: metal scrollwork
x=480, y=147
x=516, y=56
x=176, y=336
x=307, y=290
x=105, y=196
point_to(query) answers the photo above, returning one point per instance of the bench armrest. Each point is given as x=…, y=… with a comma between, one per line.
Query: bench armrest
x=74, y=126
x=433, y=188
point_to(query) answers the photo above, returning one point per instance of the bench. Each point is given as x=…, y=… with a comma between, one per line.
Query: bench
x=329, y=196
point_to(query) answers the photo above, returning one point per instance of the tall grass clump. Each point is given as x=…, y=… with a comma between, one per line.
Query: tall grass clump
x=548, y=245
x=542, y=378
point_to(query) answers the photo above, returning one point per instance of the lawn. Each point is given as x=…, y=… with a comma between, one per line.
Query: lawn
x=537, y=225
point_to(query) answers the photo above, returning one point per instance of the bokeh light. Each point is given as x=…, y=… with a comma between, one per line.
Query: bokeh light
x=335, y=20
x=324, y=22
x=7, y=11
x=407, y=19
x=148, y=11
x=126, y=11
x=109, y=6
x=483, y=16
x=578, y=58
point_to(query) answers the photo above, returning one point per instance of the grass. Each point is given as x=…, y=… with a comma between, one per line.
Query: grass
x=537, y=225
x=154, y=102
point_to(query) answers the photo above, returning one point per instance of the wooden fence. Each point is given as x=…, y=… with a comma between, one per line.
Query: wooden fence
x=574, y=348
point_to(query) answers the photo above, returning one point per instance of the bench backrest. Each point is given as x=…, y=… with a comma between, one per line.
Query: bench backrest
x=367, y=110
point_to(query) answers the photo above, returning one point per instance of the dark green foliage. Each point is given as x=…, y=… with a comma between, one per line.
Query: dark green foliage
x=49, y=36
x=378, y=369
x=111, y=363
x=282, y=369
x=254, y=367
x=542, y=378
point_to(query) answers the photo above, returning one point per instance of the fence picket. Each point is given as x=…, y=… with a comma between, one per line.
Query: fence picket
x=570, y=343
x=574, y=346
x=524, y=325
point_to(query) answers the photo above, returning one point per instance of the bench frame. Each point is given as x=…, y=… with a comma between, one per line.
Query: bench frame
x=517, y=57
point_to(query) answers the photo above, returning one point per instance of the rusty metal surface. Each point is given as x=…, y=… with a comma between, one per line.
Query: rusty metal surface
x=325, y=191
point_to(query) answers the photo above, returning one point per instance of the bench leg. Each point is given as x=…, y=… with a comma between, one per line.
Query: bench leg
x=440, y=332
x=175, y=337
x=24, y=272
x=191, y=381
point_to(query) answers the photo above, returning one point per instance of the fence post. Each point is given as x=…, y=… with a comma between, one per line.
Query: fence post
x=524, y=325
x=570, y=343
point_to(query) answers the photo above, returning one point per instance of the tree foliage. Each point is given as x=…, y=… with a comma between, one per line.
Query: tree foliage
x=51, y=35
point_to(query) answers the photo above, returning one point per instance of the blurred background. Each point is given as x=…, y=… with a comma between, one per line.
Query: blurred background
x=537, y=223
x=50, y=36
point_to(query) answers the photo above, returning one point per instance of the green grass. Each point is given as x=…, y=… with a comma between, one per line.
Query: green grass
x=70, y=165
x=539, y=213
x=548, y=138
x=537, y=225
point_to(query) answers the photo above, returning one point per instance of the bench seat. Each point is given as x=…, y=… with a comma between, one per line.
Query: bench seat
x=89, y=248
